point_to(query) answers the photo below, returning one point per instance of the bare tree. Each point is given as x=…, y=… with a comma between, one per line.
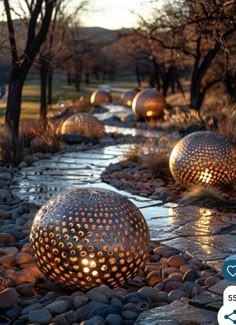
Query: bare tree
x=55, y=51
x=200, y=30
x=38, y=24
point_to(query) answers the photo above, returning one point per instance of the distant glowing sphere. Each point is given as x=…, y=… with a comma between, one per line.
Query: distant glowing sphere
x=128, y=96
x=85, y=124
x=100, y=97
x=203, y=158
x=89, y=236
x=149, y=104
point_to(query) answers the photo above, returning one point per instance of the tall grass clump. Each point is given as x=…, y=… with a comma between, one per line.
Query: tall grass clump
x=156, y=157
x=11, y=152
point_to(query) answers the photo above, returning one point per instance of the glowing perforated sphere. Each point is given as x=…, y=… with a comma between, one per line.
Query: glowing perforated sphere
x=85, y=124
x=149, y=104
x=203, y=158
x=100, y=97
x=89, y=236
x=128, y=96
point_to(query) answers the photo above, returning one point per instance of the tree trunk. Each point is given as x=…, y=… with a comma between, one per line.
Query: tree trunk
x=196, y=95
x=14, y=105
x=50, y=84
x=87, y=78
x=77, y=82
x=69, y=79
x=230, y=85
x=43, y=91
x=16, y=83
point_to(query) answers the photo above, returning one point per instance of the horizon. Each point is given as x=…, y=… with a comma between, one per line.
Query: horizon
x=104, y=13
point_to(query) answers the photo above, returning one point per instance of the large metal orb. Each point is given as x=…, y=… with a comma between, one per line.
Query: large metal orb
x=128, y=96
x=203, y=158
x=100, y=97
x=84, y=124
x=89, y=236
x=149, y=104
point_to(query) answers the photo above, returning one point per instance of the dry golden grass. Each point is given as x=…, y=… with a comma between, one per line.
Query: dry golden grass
x=227, y=128
x=45, y=140
x=133, y=153
x=209, y=197
x=11, y=152
x=156, y=157
x=153, y=155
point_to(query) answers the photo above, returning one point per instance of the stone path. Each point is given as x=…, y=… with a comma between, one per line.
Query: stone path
x=206, y=234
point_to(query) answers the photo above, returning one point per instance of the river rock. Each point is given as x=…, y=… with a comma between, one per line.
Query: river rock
x=26, y=289
x=8, y=298
x=6, y=238
x=22, y=258
x=176, y=295
x=153, y=278
x=80, y=301
x=129, y=314
x=42, y=316
x=191, y=276
x=176, y=261
x=58, y=307
x=113, y=319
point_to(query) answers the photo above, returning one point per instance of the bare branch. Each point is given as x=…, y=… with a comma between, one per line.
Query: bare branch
x=11, y=31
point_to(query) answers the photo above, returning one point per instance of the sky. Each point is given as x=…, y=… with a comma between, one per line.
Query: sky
x=111, y=14
x=114, y=14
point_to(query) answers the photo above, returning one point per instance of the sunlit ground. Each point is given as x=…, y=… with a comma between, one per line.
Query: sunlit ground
x=31, y=95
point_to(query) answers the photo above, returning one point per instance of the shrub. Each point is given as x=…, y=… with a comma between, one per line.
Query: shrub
x=11, y=151
x=156, y=157
x=227, y=127
x=133, y=153
x=45, y=140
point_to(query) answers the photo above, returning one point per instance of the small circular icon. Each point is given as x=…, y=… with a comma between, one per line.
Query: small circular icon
x=229, y=268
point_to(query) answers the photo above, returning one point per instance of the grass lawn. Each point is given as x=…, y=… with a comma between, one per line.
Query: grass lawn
x=31, y=95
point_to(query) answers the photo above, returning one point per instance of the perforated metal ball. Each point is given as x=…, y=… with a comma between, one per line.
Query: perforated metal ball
x=203, y=158
x=85, y=124
x=89, y=236
x=128, y=96
x=149, y=104
x=100, y=96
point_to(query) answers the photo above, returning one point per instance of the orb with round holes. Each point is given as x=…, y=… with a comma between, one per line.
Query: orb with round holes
x=100, y=97
x=128, y=96
x=148, y=104
x=203, y=158
x=89, y=236
x=85, y=124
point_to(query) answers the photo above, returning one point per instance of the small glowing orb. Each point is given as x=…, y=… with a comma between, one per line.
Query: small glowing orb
x=150, y=113
x=128, y=96
x=89, y=236
x=148, y=100
x=100, y=97
x=203, y=158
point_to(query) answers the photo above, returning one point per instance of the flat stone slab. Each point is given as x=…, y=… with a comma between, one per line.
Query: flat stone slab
x=223, y=243
x=198, y=231
x=199, y=250
x=176, y=313
x=219, y=287
x=206, y=297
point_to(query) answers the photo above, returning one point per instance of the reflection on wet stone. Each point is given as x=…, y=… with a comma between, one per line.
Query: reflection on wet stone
x=187, y=228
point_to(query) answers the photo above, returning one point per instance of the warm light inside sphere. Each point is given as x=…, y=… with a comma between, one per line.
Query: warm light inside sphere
x=87, y=237
x=203, y=158
x=149, y=113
